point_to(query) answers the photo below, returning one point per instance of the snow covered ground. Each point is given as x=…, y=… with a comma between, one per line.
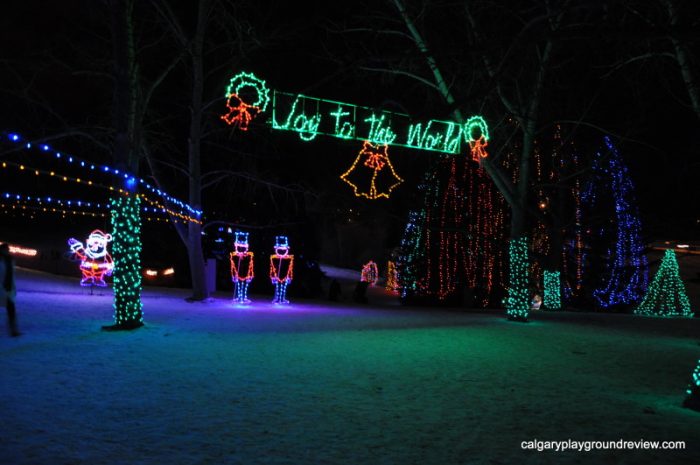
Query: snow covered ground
x=332, y=383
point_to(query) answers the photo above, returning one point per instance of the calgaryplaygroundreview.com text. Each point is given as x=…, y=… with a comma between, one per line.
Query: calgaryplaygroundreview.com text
x=588, y=446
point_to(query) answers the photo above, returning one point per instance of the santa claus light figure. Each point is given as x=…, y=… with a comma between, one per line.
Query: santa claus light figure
x=242, y=269
x=95, y=261
x=281, y=269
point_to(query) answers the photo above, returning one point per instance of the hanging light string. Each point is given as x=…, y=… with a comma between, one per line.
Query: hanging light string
x=88, y=182
x=20, y=199
x=14, y=206
x=18, y=140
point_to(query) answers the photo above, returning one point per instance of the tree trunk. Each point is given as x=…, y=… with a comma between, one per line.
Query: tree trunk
x=194, y=236
x=126, y=221
x=683, y=59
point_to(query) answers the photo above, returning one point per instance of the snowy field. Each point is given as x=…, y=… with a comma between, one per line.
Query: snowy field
x=318, y=383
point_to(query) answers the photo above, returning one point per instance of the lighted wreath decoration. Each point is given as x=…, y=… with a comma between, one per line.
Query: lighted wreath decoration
x=478, y=145
x=241, y=113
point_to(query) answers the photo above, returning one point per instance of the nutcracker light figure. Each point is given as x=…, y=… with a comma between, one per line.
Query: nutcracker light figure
x=95, y=261
x=281, y=269
x=242, y=268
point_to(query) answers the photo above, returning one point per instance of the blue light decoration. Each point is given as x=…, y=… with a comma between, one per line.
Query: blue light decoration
x=626, y=273
x=242, y=267
x=87, y=166
x=552, y=290
x=692, y=400
x=281, y=269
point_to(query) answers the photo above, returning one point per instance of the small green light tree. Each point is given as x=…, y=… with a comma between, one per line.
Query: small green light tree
x=666, y=296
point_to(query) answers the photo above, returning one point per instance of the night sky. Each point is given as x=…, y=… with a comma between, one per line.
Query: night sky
x=56, y=80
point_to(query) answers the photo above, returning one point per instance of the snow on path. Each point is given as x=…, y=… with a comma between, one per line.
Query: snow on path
x=321, y=383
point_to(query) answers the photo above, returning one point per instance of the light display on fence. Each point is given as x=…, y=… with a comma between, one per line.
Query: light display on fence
x=242, y=267
x=281, y=269
x=372, y=174
x=95, y=260
x=692, y=401
x=552, y=290
x=311, y=116
x=370, y=273
x=666, y=295
x=518, y=301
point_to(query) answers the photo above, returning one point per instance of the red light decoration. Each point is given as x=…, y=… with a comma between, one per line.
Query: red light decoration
x=372, y=175
x=478, y=148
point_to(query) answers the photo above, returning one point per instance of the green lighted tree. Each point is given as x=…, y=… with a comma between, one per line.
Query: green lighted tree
x=666, y=295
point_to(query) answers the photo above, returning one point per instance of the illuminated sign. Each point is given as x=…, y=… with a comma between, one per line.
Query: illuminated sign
x=247, y=96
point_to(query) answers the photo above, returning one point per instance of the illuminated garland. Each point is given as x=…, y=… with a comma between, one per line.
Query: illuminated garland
x=37, y=172
x=692, y=401
x=242, y=267
x=95, y=260
x=518, y=300
x=375, y=177
x=666, y=295
x=88, y=166
x=392, y=282
x=552, y=290
x=626, y=278
x=126, y=226
x=241, y=113
x=370, y=273
x=281, y=269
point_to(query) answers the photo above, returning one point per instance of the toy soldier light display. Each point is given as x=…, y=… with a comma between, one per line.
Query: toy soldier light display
x=242, y=269
x=95, y=261
x=281, y=269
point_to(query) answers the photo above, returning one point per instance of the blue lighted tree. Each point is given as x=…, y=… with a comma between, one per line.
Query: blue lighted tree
x=623, y=271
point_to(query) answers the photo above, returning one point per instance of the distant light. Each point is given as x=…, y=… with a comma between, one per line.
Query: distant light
x=682, y=246
x=17, y=250
x=168, y=271
x=14, y=137
x=151, y=273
